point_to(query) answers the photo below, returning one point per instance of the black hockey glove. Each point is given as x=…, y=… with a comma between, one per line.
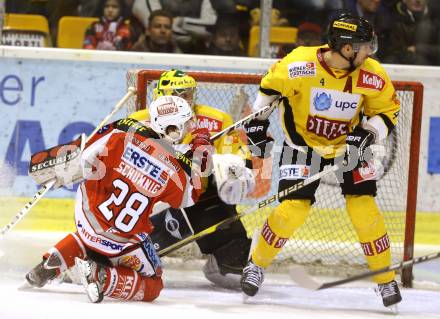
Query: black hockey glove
x=357, y=143
x=260, y=144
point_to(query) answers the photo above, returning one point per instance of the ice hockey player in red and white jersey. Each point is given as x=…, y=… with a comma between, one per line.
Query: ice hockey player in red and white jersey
x=127, y=169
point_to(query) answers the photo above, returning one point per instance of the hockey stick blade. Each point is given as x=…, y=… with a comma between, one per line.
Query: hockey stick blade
x=302, y=278
x=299, y=275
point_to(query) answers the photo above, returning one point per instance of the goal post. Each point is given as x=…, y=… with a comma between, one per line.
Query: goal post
x=416, y=88
x=327, y=239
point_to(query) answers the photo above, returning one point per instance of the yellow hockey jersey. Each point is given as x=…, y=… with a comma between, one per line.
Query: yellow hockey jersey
x=321, y=105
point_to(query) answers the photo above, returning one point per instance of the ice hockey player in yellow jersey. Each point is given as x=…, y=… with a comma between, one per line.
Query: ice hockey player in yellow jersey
x=335, y=100
x=227, y=249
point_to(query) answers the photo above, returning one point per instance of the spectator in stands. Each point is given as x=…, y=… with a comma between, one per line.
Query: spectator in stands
x=191, y=18
x=240, y=9
x=112, y=31
x=309, y=34
x=415, y=38
x=158, y=35
x=298, y=11
x=374, y=11
x=226, y=37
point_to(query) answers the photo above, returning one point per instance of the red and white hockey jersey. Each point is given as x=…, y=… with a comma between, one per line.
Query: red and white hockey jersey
x=127, y=171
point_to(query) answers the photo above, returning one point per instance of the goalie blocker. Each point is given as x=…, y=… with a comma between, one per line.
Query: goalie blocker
x=60, y=163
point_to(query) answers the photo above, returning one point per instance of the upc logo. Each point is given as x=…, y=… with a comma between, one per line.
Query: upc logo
x=322, y=101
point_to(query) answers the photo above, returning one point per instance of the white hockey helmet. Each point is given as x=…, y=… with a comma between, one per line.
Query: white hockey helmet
x=171, y=117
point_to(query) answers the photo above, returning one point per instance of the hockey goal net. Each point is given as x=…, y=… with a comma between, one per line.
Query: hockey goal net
x=327, y=241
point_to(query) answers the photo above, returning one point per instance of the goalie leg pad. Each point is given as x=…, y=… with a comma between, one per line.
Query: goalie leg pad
x=232, y=257
x=370, y=227
x=127, y=284
x=225, y=265
x=208, y=211
x=170, y=227
x=214, y=274
x=280, y=225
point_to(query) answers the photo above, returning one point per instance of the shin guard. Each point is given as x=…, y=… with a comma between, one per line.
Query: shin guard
x=370, y=228
x=280, y=225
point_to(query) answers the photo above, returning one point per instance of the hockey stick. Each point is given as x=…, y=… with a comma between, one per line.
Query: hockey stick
x=49, y=184
x=303, y=279
x=265, y=202
x=244, y=120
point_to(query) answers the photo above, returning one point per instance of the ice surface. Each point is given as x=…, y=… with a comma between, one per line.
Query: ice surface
x=187, y=294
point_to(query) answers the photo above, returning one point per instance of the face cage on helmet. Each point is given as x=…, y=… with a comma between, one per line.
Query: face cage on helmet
x=182, y=129
x=372, y=46
x=185, y=93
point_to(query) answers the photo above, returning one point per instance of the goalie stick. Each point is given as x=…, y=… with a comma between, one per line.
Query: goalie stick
x=49, y=184
x=265, y=202
x=303, y=279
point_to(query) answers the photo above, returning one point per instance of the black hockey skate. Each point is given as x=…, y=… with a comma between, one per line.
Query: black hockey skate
x=39, y=275
x=252, y=278
x=390, y=293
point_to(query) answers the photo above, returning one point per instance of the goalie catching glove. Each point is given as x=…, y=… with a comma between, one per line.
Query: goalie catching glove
x=234, y=180
x=260, y=142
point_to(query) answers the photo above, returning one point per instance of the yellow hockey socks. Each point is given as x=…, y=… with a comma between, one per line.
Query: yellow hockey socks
x=370, y=227
x=279, y=226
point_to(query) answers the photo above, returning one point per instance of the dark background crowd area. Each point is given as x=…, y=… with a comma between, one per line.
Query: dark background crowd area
x=407, y=29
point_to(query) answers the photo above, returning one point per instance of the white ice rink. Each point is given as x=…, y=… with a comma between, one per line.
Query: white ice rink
x=187, y=294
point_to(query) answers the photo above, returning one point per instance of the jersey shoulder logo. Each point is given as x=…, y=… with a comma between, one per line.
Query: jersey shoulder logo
x=301, y=69
x=369, y=80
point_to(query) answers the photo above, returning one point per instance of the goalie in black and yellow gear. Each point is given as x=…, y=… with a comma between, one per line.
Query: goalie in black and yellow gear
x=325, y=91
x=227, y=249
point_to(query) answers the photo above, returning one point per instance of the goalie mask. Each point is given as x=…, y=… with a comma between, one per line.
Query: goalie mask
x=171, y=118
x=176, y=83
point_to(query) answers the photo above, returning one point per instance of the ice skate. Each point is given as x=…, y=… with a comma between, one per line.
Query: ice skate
x=252, y=279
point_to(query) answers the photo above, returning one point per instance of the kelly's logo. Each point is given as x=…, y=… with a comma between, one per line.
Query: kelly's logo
x=211, y=124
x=370, y=80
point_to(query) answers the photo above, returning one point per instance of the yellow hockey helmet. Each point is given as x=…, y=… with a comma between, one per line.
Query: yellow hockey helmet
x=177, y=83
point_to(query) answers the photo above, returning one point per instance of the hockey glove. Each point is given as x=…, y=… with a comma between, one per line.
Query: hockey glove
x=201, y=148
x=260, y=142
x=357, y=143
x=234, y=180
